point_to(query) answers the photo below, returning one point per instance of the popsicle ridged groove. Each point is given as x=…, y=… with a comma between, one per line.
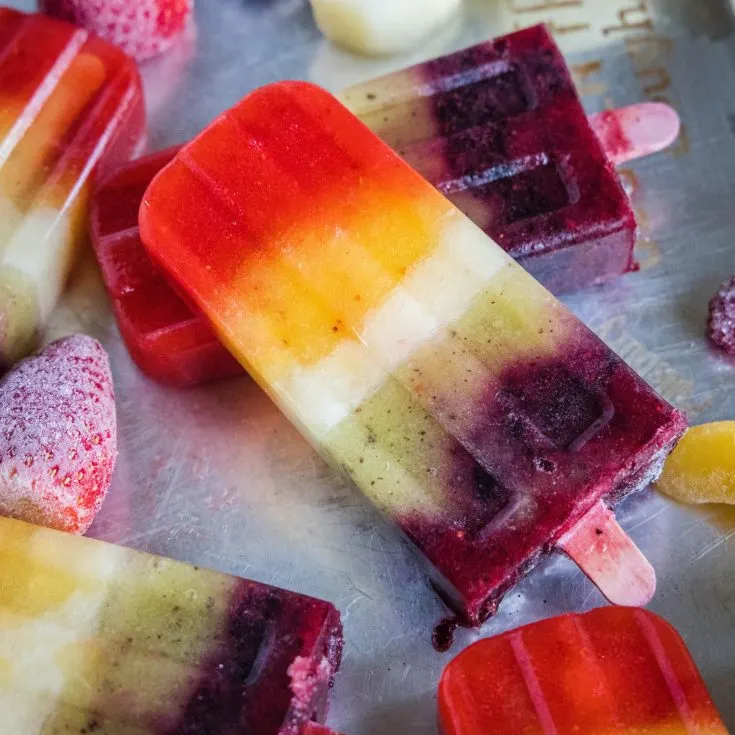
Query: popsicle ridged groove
x=532, y=684
x=597, y=674
x=667, y=671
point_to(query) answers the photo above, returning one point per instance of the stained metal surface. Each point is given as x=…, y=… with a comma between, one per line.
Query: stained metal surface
x=216, y=476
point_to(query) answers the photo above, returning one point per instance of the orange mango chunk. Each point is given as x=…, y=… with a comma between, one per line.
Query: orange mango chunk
x=702, y=467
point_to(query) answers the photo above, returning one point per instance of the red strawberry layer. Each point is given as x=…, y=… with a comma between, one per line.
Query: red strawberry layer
x=58, y=435
x=143, y=28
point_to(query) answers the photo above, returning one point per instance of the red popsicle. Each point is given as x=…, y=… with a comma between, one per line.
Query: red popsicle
x=612, y=670
x=168, y=341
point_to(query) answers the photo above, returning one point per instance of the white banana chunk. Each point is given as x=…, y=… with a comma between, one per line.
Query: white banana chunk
x=381, y=27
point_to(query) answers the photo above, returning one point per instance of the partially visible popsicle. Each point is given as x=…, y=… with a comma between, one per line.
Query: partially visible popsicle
x=479, y=414
x=612, y=670
x=173, y=344
x=721, y=318
x=169, y=341
x=69, y=104
x=499, y=129
x=101, y=639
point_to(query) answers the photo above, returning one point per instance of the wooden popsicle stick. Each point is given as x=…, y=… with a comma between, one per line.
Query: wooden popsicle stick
x=636, y=131
x=608, y=556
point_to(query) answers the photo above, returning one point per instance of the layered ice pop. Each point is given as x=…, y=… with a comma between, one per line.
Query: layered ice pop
x=101, y=639
x=499, y=129
x=168, y=340
x=612, y=670
x=468, y=404
x=174, y=344
x=69, y=103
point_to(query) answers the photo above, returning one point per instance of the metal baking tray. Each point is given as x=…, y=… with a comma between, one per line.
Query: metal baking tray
x=217, y=476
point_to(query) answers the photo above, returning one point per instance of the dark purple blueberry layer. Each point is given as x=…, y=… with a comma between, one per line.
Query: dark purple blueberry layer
x=498, y=79
x=559, y=406
x=531, y=193
x=478, y=495
x=516, y=138
x=247, y=687
x=556, y=435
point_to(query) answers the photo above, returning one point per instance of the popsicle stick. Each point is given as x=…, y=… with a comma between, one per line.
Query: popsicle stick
x=607, y=555
x=635, y=131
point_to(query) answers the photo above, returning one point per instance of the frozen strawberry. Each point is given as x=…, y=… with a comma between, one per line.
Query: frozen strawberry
x=142, y=28
x=58, y=435
x=721, y=321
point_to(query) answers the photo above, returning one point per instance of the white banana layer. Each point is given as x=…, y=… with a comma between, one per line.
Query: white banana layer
x=433, y=295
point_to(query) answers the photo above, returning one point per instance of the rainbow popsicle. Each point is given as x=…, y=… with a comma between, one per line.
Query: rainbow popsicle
x=499, y=129
x=95, y=638
x=467, y=403
x=69, y=103
x=612, y=670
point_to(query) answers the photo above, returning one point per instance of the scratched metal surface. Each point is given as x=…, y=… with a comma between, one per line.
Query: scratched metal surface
x=216, y=475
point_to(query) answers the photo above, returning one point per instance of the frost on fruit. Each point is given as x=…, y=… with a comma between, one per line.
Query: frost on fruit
x=721, y=320
x=58, y=435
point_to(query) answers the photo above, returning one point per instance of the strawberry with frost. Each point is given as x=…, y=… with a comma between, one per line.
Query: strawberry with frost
x=58, y=435
x=142, y=28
